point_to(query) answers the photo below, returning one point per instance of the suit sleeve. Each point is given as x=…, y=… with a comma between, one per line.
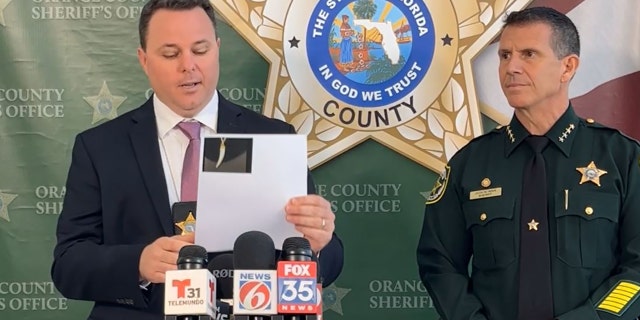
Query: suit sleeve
x=444, y=251
x=84, y=268
x=617, y=297
x=332, y=255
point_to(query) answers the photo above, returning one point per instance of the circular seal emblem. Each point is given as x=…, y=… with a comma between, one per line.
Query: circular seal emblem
x=369, y=65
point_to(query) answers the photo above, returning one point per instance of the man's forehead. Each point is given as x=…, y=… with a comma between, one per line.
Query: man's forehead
x=180, y=27
x=173, y=19
x=536, y=32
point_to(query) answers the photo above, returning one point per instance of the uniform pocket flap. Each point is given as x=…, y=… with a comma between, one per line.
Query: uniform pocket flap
x=481, y=212
x=588, y=205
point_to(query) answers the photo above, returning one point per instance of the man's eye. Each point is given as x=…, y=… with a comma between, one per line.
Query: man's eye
x=201, y=51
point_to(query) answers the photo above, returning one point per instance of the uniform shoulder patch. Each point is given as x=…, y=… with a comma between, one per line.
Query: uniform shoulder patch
x=618, y=299
x=439, y=186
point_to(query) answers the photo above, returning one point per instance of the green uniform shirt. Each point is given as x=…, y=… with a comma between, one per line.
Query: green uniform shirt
x=593, y=183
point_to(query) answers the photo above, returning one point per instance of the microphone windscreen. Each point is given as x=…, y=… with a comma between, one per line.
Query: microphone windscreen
x=192, y=257
x=222, y=269
x=254, y=250
x=193, y=251
x=296, y=248
x=295, y=243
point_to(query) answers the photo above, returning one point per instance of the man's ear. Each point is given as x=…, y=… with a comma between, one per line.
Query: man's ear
x=570, y=65
x=142, y=59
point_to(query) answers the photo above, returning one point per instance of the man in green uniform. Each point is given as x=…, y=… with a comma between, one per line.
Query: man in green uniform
x=587, y=263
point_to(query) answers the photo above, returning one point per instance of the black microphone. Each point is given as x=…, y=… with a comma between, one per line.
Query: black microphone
x=222, y=269
x=297, y=280
x=254, y=277
x=192, y=257
x=190, y=291
x=296, y=249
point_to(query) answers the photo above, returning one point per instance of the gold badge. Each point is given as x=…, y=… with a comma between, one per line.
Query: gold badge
x=591, y=173
x=188, y=225
x=533, y=225
x=618, y=300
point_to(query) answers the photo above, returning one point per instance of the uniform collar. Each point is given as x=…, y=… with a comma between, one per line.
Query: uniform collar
x=562, y=133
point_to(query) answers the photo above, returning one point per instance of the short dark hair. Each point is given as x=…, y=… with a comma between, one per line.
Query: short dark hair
x=565, y=39
x=154, y=5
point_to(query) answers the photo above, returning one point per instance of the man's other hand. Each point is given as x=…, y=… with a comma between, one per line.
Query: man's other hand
x=162, y=255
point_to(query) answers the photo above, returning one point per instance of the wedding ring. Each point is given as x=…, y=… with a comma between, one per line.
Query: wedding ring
x=324, y=223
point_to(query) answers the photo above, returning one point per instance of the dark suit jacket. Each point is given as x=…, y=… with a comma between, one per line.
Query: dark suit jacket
x=117, y=203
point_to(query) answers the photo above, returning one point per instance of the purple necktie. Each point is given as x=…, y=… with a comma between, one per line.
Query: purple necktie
x=189, y=186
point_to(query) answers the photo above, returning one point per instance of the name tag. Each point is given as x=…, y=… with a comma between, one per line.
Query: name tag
x=486, y=193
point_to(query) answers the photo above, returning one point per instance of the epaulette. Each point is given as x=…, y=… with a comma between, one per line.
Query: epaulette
x=498, y=129
x=589, y=122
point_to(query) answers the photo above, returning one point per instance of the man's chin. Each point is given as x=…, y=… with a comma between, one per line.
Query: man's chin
x=189, y=109
x=517, y=103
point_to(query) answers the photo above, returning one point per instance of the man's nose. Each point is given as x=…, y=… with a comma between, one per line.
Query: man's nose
x=187, y=62
x=513, y=65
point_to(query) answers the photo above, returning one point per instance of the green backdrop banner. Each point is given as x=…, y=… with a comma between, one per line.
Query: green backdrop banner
x=382, y=118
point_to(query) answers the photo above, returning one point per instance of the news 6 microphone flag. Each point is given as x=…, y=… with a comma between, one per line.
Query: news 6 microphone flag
x=254, y=276
x=69, y=66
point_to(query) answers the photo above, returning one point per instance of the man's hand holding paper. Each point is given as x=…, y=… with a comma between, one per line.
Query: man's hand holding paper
x=312, y=216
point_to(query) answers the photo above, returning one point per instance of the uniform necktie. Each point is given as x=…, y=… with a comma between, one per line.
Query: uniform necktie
x=189, y=186
x=535, y=299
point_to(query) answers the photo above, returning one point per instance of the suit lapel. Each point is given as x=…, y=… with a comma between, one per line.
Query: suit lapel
x=144, y=138
x=229, y=117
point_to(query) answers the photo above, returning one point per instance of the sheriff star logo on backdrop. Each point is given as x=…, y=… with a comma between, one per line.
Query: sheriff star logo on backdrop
x=332, y=298
x=5, y=200
x=398, y=72
x=3, y=5
x=105, y=105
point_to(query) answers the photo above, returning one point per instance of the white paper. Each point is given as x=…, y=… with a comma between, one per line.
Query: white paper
x=232, y=201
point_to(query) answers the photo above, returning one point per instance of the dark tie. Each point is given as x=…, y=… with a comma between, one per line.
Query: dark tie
x=535, y=298
x=189, y=185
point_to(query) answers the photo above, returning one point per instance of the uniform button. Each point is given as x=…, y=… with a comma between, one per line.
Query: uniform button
x=483, y=217
x=588, y=211
x=590, y=120
x=486, y=182
x=499, y=127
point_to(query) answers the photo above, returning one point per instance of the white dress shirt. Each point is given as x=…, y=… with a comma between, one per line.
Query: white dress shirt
x=173, y=142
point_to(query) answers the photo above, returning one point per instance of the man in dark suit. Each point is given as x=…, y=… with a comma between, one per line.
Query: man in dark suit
x=115, y=234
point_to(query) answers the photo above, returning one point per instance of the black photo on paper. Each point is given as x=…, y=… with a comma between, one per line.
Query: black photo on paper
x=224, y=154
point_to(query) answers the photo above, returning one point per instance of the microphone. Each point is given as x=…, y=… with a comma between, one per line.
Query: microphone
x=189, y=292
x=254, y=276
x=297, y=280
x=222, y=269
